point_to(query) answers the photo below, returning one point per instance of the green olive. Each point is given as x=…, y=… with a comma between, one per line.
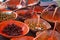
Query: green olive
x=4, y=16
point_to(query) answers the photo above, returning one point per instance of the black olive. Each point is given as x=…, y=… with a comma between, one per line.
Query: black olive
x=12, y=30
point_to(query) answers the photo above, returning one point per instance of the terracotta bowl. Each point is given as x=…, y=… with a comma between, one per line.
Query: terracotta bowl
x=58, y=27
x=26, y=14
x=32, y=2
x=48, y=15
x=8, y=12
x=46, y=34
x=23, y=38
x=13, y=2
x=33, y=22
x=25, y=28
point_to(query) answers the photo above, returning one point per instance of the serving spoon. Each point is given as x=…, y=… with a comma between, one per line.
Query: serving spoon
x=53, y=31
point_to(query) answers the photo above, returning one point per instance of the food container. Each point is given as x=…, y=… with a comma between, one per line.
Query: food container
x=32, y=23
x=12, y=28
x=58, y=27
x=46, y=34
x=7, y=15
x=23, y=38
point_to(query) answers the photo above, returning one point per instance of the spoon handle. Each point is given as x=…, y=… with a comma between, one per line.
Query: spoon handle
x=47, y=8
x=54, y=28
x=55, y=11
